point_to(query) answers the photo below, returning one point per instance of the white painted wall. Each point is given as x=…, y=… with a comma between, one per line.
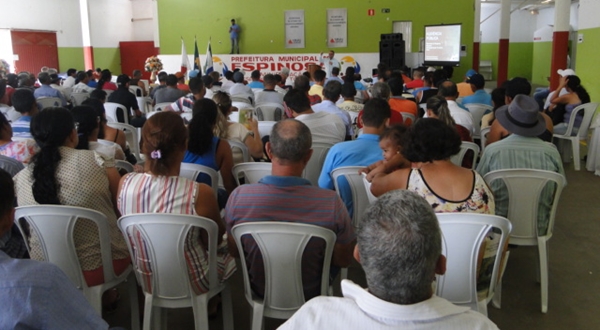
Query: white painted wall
x=6, y=50
x=143, y=24
x=522, y=24
x=546, y=17
x=110, y=22
x=588, y=16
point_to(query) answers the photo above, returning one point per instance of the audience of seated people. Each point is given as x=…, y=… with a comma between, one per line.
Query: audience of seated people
x=461, y=116
x=331, y=93
x=46, y=91
x=124, y=97
x=303, y=83
x=82, y=84
x=169, y=93
x=318, y=78
x=186, y=102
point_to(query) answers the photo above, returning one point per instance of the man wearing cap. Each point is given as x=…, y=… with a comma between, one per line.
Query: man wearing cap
x=521, y=149
x=124, y=97
x=464, y=87
x=563, y=74
x=46, y=91
x=479, y=96
x=239, y=89
x=55, y=83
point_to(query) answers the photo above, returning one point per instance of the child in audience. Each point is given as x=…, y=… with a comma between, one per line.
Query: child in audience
x=390, y=143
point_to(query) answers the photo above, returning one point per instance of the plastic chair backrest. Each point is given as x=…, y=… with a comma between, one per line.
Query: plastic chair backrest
x=124, y=165
x=524, y=188
x=251, y=171
x=367, y=184
x=111, y=112
x=136, y=90
x=163, y=236
x=281, y=245
x=10, y=165
x=193, y=171
x=465, y=146
x=462, y=236
x=47, y=102
x=589, y=109
x=265, y=127
x=241, y=99
x=131, y=135
x=483, y=137
x=315, y=164
x=477, y=110
x=54, y=226
x=161, y=106
x=78, y=98
x=269, y=111
x=360, y=200
x=143, y=103
x=406, y=116
x=242, y=147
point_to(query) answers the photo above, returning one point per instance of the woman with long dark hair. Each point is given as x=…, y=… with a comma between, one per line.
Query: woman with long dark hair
x=87, y=131
x=576, y=96
x=61, y=175
x=105, y=81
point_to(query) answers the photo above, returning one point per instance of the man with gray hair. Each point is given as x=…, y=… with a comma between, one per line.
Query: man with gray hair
x=400, y=249
x=286, y=196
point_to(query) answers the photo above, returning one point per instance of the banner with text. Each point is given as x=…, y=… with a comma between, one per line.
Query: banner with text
x=294, y=29
x=337, y=28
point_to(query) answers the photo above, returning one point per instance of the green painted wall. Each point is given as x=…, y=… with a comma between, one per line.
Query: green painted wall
x=70, y=57
x=519, y=58
x=588, y=65
x=542, y=60
x=262, y=21
x=108, y=58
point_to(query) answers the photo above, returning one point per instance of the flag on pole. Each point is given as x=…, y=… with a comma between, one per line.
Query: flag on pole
x=185, y=61
x=208, y=64
x=197, y=65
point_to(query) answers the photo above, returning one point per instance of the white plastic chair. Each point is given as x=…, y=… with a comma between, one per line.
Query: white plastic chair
x=241, y=99
x=54, y=225
x=193, y=171
x=589, y=109
x=465, y=146
x=108, y=92
x=407, y=115
x=242, y=147
x=144, y=103
x=168, y=286
x=312, y=171
x=252, y=172
x=136, y=90
x=483, y=137
x=47, y=102
x=161, y=106
x=269, y=111
x=367, y=185
x=132, y=137
x=78, y=98
x=111, y=108
x=360, y=200
x=477, y=110
x=463, y=235
x=281, y=245
x=124, y=165
x=265, y=127
x=10, y=165
x=525, y=187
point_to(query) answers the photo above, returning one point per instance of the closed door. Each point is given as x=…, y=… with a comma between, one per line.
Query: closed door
x=34, y=49
x=134, y=55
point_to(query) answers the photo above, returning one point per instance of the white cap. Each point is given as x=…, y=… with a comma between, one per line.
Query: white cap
x=566, y=72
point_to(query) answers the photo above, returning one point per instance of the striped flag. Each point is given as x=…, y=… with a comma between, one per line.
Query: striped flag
x=208, y=64
x=197, y=65
x=185, y=61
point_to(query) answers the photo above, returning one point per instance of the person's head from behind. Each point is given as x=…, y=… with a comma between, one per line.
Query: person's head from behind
x=25, y=80
x=5, y=129
x=24, y=102
x=7, y=202
x=349, y=75
x=348, y=91
x=437, y=107
x=574, y=85
x=376, y=114
x=82, y=77
x=105, y=75
x=439, y=76
x=71, y=72
x=98, y=107
x=269, y=81
x=429, y=140
x=255, y=75
x=197, y=86
x=381, y=90
x=390, y=141
x=123, y=81
x=477, y=82
x=319, y=76
x=207, y=81
x=44, y=78
x=162, y=77
x=88, y=125
x=201, y=127
x=498, y=97
x=302, y=83
x=238, y=78
x=171, y=81
x=335, y=71
x=229, y=75
x=215, y=77
x=98, y=94
x=297, y=101
x=12, y=80
x=290, y=143
x=428, y=79
x=164, y=142
x=400, y=226
x=516, y=86
x=396, y=86
x=332, y=91
x=448, y=90
x=137, y=74
x=383, y=71
x=285, y=73
x=51, y=129
x=418, y=73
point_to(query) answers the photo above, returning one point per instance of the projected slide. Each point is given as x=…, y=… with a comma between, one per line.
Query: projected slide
x=442, y=44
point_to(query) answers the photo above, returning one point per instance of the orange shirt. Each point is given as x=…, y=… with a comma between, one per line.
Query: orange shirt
x=464, y=89
x=404, y=105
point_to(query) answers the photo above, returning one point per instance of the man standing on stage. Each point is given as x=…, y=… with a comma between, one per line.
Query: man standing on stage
x=329, y=62
x=234, y=33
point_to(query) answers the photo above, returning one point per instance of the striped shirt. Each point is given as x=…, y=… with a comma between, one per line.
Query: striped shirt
x=517, y=151
x=145, y=193
x=20, y=127
x=290, y=199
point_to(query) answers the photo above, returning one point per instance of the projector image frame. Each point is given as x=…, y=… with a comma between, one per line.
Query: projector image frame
x=442, y=44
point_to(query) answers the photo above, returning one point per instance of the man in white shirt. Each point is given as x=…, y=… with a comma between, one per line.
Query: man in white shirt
x=268, y=94
x=70, y=81
x=400, y=227
x=227, y=83
x=461, y=116
x=331, y=93
x=82, y=85
x=324, y=127
x=55, y=83
x=329, y=62
x=239, y=89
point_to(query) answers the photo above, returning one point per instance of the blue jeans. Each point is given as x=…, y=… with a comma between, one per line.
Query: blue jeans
x=235, y=46
x=540, y=96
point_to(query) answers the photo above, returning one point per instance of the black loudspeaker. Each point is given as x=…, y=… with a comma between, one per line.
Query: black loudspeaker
x=391, y=52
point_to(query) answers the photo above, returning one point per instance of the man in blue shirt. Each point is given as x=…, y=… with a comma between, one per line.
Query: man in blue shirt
x=363, y=151
x=37, y=295
x=234, y=35
x=479, y=95
x=24, y=102
x=255, y=83
x=46, y=91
